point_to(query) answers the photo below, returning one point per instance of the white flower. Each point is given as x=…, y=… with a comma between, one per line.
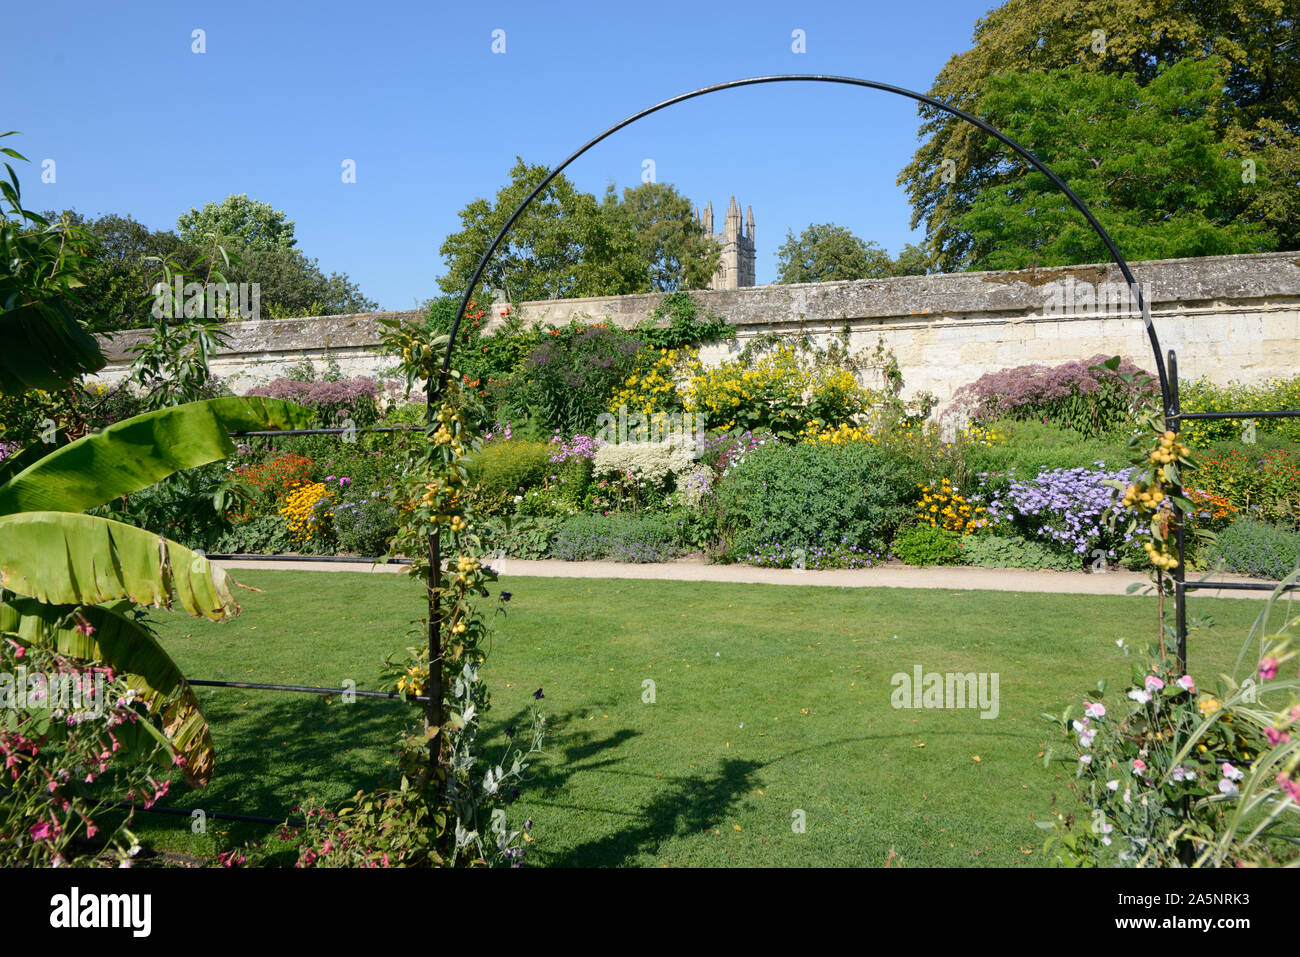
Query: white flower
x=1140, y=696
x=1227, y=787
x=1112, y=785
x=1085, y=759
x=1182, y=773
x=1128, y=795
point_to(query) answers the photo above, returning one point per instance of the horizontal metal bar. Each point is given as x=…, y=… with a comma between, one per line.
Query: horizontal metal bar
x=218, y=815
x=306, y=558
x=305, y=689
x=1238, y=586
x=336, y=431
x=1274, y=414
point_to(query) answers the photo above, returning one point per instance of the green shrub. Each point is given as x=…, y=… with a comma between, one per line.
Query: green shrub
x=1030, y=447
x=364, y=524
x=1256, y=548
x=1010, y=551
x=621, y=537
x=509, y=468
x=805, y=496
x=923, y=545
x=522, y=537
x=1203, y=396
x=266, y=535
x=568, y=379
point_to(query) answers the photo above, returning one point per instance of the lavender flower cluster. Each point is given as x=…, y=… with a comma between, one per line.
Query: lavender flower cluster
x=7, y=449
x=1064, y=506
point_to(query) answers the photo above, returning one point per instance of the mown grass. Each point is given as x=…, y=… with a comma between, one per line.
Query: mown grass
x=769, y=700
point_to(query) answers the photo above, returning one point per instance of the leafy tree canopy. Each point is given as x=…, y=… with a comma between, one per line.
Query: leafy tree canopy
x=1146, y=158
x=563, y=246
x=827, y=252
x=247, y=222
x=662, y=220
x=1257, y=111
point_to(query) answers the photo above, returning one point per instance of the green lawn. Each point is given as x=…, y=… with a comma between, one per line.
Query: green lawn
x=769, y=700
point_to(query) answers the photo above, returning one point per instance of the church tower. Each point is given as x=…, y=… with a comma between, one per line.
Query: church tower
x=736, y=266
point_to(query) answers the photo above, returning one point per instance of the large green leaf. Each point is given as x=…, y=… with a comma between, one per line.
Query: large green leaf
x=137, y=452
x=130, y=649
x=73, y=559
x=43, y=347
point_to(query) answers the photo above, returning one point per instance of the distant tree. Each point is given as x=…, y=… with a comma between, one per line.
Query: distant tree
x=679, y=254
x=119, y=274
x=250, y=223
x=1147, y=158
x=116, y=274
x=562, y=246
x=292, y=284
x=826, y=252
x=911, y=261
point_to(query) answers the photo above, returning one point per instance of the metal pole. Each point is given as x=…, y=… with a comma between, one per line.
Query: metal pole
x=1173, y=422
x=433, y=714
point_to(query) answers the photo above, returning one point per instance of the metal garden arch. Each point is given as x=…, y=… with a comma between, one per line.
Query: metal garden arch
x=1168, y=378
x=1167, y=375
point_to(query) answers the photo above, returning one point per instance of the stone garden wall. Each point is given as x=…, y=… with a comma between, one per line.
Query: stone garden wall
x=1228, y=317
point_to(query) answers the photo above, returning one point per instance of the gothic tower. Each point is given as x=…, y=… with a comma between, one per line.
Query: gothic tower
x=736, y=266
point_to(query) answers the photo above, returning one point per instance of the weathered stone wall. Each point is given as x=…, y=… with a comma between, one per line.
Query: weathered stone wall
x=1228, y=317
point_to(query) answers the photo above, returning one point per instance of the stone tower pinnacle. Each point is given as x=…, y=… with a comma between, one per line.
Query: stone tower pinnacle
x=736, y=265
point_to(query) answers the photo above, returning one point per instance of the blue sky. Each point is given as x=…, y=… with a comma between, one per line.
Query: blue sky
x=138, y=123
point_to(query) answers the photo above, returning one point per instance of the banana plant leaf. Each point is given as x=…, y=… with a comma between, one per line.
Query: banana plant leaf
x=68, y=558
x=137, y=452
x=130, y=649
x=43, y=347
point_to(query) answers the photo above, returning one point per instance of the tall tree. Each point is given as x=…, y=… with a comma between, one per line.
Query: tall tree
x=248, y=222
x=1258, y=111
x=1146, y=159
x=562, y=246
x=827, y=252
x=679, y=254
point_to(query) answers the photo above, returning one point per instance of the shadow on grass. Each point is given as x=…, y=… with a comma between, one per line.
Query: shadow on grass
x=688, y=807
x=277, y=749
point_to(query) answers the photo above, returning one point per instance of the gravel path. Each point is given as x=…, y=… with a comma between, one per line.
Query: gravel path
x=960, y=578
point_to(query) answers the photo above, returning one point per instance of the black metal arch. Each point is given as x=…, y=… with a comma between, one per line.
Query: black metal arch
x=434, y=384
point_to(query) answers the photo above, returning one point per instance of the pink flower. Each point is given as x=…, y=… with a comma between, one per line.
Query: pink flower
x=1186, y=683
x=1153, y=684
x=1139, y=764
x=1094, y=709
x=44, y=831
x=1276, y=737
x=1291, y=787
x=1268, y=668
